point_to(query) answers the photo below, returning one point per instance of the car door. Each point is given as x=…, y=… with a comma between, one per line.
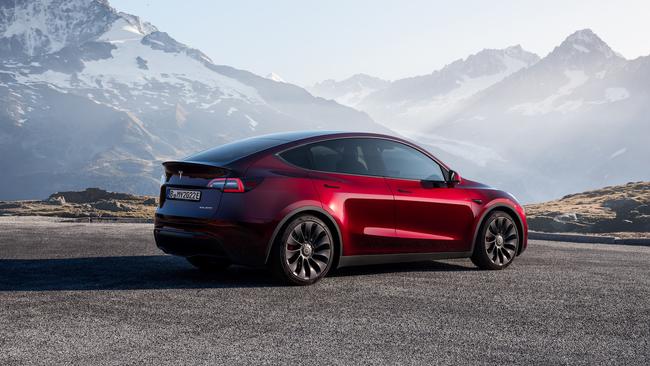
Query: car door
x=430, y=215
x=351, y=191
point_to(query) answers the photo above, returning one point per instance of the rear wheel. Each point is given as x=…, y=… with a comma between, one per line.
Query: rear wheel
x=304, y=251
x=497, y=243
x=209, y=264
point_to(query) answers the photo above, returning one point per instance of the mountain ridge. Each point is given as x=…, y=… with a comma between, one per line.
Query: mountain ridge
x=562, y=123
x=405, y=103
x=93, y=97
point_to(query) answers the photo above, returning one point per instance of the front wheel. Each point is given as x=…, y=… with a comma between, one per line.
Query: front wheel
x=304, y=251
x=497, y=243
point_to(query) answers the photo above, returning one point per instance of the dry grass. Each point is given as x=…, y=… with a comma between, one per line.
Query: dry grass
x=613, y=210
x=90, y=203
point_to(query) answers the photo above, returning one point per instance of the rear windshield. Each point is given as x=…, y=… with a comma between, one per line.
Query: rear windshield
x=235, y=150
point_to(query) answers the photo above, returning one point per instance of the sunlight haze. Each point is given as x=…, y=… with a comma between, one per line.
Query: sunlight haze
x=305, y=42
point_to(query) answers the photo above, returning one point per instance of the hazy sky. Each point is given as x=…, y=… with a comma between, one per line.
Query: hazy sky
x=309, y=41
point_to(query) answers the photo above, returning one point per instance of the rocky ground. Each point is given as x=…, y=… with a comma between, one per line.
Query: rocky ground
x=622, y=211
x=91, y=203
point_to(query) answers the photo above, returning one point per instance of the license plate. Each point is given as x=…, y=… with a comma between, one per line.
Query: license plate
x=185, y=195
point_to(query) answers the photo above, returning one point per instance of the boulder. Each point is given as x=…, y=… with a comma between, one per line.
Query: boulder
x=112, y=206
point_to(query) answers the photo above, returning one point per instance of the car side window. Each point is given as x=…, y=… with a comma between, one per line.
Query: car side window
x=298, y=156
x=404, y=162
x=350, y=156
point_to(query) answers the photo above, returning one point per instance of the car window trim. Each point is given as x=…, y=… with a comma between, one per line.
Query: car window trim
x=444, y=170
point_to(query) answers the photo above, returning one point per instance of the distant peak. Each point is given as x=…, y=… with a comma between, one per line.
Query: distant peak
x=144, y=27
x=519, y=52
x=585, y=41
x=39, y=27
x=275, y=77
x=584, y=35
x=516, y=47
x=359, y=78
x=516, y=52
x=362, y=76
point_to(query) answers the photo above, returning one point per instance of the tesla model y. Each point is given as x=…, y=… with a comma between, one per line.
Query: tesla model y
x=304, y=203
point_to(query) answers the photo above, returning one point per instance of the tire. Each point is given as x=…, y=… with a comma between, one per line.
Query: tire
x=497, y=243
x=303, y=252
x=209, y=264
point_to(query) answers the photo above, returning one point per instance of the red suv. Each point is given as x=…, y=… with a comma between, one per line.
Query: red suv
x=306, y=202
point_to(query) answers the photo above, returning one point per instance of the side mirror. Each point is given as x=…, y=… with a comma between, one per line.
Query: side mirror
x=454, y=177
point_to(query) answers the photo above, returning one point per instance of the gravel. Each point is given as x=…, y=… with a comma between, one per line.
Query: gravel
x=73, y=293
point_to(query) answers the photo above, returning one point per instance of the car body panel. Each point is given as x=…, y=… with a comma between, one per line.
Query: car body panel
x=363, y=207
x=436, y=218
x=370, y=216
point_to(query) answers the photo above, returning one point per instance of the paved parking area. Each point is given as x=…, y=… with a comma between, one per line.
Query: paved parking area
x=102, y=293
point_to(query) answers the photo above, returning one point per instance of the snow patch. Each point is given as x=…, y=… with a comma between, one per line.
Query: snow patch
x=618, y=152
x=231, y=110
x=576, y=79
x=581, y=48
x=445, y=104
x=113, y=73
x=121, y=31
x=616, y=94
x=353, y=98
x=251, y=122
x=275, y=77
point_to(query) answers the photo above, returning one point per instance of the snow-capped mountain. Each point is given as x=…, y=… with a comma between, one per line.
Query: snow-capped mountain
x=93, y=97
x=574, y=120
x=577, y=119
x=350, y=91
x=409, y=104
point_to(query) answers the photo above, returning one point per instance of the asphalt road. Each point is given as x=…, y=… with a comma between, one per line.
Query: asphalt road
x=103, y=294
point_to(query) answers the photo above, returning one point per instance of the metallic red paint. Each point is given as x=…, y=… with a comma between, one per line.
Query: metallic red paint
x=358, y=203
x=369, y=215
x=431, y=219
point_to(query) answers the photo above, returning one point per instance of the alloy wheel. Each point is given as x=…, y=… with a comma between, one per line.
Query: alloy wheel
x=501, y=238
x=308, y=250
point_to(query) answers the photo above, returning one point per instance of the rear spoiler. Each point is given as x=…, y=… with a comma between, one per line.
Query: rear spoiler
x=195, y=169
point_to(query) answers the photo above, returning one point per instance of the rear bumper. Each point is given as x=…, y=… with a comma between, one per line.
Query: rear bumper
x=188, y=244
x=241, y=242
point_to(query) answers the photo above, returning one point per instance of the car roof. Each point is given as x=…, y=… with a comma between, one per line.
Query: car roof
x=240, y=150
x=299, y=135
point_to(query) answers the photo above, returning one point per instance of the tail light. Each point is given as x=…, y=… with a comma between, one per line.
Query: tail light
x=233, y=185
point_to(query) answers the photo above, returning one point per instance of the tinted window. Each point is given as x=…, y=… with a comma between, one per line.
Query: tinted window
x=375, y=157
x=351, y=156
x=235, y=150
x=402, y=161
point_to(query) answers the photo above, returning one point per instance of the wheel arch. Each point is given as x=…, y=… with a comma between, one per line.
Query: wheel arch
x=510, y=211
x=309, y=210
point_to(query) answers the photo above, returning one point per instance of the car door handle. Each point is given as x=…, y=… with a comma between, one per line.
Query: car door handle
x=402, y=190
x=330, y=186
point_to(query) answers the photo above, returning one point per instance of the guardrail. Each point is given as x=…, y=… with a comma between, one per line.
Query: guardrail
x=580, y=238
x=123, y=220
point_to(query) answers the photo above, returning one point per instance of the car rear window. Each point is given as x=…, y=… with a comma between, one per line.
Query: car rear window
x=235, y=150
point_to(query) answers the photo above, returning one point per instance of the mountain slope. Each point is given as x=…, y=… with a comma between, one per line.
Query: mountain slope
x=576, y=120
x=350, y=91
x=541, y=128
x=92, y=97
x=409, y=104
